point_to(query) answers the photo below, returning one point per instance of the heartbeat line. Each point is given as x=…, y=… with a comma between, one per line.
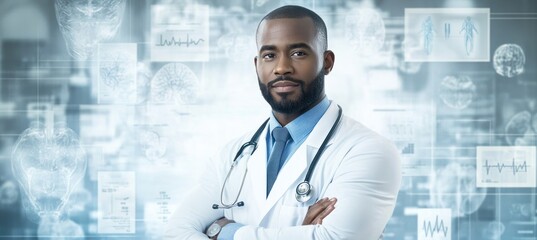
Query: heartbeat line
x=178, y=42
x=437, y=228
x=516, y=168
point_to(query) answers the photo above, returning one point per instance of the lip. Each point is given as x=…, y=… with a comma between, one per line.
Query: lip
x=284, y=86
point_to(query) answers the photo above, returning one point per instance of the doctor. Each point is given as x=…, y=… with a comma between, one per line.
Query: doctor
x=354, y=182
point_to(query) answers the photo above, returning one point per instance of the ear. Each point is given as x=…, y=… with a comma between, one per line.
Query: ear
x=328, y=63
x=255, y=62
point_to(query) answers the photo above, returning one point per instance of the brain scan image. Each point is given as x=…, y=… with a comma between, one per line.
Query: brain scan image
x=85, y=23
x=457, y=91
x=518, y=130
x=174, y=83
x=509, y=60
x=365, y=31
x=48, y=163
x=454, y=186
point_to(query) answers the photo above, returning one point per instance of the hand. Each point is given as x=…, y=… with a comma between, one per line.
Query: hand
x=318, y=211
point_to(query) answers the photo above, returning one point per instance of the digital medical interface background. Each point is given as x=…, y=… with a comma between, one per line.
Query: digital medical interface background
x=109, y=109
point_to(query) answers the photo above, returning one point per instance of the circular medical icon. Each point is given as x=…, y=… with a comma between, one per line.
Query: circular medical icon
x=48, y=163
x=174, y=83
x=518, y=131
x=9, y=193
x=365, y=31
x=457, y=91
x=454, y=187
x=509, y=60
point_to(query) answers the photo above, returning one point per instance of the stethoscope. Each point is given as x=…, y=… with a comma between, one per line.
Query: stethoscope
x=303, y=191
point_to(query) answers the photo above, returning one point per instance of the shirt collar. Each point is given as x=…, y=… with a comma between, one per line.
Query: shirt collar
x=302, y=126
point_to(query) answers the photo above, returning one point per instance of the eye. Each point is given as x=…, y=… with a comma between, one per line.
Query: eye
x=299, y=54
x=268, y=56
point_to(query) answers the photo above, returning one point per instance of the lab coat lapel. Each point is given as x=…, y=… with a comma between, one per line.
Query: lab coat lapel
x=289, y=173
x=297, y=165
x=257, y=174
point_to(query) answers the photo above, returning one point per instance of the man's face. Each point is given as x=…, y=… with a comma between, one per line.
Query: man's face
x=289, y=64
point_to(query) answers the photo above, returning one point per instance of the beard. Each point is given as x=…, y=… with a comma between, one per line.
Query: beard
x=308, y=94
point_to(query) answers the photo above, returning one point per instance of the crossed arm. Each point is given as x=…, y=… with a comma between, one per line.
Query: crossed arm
x=315, y=215
x=366, y=187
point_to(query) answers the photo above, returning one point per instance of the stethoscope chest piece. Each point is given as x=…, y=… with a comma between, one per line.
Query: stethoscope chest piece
x=303, y=192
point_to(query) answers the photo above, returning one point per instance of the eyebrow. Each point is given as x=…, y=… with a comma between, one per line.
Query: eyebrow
x=291, y=46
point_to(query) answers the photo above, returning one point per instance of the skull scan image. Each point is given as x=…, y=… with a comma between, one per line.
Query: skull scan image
x=85, y=23
x=48, y=163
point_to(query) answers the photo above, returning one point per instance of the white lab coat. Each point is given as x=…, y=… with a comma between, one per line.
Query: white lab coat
x=358, y=167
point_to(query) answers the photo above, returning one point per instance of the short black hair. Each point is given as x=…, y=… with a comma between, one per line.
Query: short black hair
x=292, y=11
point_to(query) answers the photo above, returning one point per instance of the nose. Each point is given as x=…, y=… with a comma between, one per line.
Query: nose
x=283, y=66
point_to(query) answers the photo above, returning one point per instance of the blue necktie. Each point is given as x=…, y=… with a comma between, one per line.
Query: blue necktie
x=281, y=135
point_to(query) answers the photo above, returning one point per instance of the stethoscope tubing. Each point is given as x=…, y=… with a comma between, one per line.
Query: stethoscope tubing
x=253, y=143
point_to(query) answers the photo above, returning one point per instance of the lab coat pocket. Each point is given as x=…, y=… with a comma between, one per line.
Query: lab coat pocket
x=292, y=212
x=291, y=216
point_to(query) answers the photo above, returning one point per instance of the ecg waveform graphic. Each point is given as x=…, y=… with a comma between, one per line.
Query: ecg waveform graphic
x=506, y=166
x=178, y=42
x=516, y=168
x=438, y=228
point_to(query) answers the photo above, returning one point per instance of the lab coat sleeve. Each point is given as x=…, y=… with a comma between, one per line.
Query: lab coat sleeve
x=365, y=183
x=194, y=214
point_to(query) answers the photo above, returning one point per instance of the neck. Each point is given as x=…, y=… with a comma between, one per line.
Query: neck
x=286, y=118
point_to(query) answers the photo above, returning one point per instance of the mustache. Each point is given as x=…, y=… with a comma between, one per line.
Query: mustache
x=285, y=78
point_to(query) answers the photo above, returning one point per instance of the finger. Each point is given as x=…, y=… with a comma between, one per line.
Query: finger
x=313, y=210
x=320, y=206
x=323, y=214
x=317, y=209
